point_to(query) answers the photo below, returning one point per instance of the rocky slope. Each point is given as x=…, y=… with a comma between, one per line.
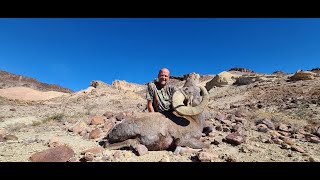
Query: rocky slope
x=13, y=80
x=264, y=118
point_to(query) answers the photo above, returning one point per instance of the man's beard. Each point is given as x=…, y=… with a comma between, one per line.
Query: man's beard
x=163, y=82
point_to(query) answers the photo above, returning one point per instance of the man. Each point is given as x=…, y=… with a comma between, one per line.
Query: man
x=159, y=94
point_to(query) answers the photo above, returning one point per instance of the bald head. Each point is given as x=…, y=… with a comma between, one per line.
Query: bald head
x=164, y=70
x=163, y=76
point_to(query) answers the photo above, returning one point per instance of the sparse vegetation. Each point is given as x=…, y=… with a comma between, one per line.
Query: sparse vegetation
x=56, y=117
x=276, y=117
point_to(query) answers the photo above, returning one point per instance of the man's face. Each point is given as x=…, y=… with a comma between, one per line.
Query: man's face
x=163, y=77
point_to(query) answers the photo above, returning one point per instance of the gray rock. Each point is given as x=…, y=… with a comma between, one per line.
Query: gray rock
x=267, y=122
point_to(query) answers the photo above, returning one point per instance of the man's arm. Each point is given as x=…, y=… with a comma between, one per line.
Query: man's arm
x=149, y=106
x=150, y=94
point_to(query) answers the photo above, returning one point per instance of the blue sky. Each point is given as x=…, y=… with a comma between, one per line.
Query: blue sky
x=72, y=52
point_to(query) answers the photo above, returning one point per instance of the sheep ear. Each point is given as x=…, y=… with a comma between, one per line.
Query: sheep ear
x=180, y=108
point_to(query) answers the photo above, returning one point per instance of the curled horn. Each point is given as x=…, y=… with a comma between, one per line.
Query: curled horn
x=179, y=107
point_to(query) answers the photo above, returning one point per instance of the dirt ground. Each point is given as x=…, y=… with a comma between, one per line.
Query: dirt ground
x=31, y=120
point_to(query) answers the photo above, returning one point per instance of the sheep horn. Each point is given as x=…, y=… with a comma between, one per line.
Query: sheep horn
x=178, y=106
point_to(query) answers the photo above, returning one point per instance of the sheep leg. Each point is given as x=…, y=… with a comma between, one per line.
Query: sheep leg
x=119, y=145
x=192, y=143
x=183, y=150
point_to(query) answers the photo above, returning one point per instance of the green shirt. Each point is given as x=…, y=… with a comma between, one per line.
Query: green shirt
x=164, y=95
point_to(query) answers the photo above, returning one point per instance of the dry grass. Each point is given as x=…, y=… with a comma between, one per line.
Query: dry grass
x=56, y=117
x=277, y=117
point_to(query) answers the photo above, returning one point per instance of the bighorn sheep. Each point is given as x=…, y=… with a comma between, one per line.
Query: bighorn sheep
x=166, y=131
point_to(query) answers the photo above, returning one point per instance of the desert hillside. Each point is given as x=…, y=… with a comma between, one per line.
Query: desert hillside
x=13, y=80
x=255, y=117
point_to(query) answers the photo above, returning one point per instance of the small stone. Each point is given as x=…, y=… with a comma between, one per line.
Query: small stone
x=54, y=142
x=285, y=146
x=288, y=141
x=117, y=155
x=217, y=140
x=235, y=138
x=165, y=159
x=267, y=122
x=207, y=156
x=298, y=136
x=283, y=127
x=94, y=134
x=97, y=120
x=73, y=159
x=88, y=156
x=105, y=158
x=312, y=159
x=297, y=148
x=277, y=140
x=108, y=114
x=275, y=134
x=141, y=149
x=10, y=137
x=79, y=127
x=262, y=128
x=314, y=140
x=120, y=116
x=284, y=133
x=93, y=150
x=219, y=128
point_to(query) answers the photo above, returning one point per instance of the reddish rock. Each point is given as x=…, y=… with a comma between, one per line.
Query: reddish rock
x=97, y=120
x=56, y=154
x=235, y=138
x=94, y=134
